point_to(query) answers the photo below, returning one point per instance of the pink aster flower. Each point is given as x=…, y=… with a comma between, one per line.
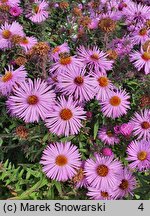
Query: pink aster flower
x=65, y=62
x=31, y=100
x=141, y=60
x=28, y=42
x=103, y=86
x=116, y=104
x=65, y=119
x=127, y=185
x=39, y=11
x=95, y=59
x=10, y=3
x=11, y=78
x=7, y=31
x=76, y=83
x=107, y=136
x=99, y=194
x=126, y=129
x=60, y=161
x=140, y=36
x=139, y=155
x=59, y=49
x=141, y=124
x=15, y=11
x=102, y=172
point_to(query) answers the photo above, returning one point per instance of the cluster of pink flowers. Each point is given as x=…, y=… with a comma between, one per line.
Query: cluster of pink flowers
x=73, y=81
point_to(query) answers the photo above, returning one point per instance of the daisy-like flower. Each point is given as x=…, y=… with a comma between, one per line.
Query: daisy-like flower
x=103, y=86
x=65, y=119
x=102, y=172
x=27, y=42
x=60, y=161
x=139, y=155
x=95, y=59
x=39, y=11
x=7, y=31
x=116, y=104
x=140, y=36
x=31, y=101
x=141, y=60
x=127, y=185
x=141, y=124
x=99, y=194
x=11, y=78
x=75, y=82
x=10, y=3
x=79, y=178
x=59, y=49
x=107, y=136
x=65, y=62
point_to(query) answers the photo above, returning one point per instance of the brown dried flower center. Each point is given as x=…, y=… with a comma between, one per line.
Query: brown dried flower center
x=66, y=114
x=146, y=56
x=142, y=155
x=145, y=125
x=94, y=56
x=107, y=24
x=6, y=34
x=8, y=76
x=79, y=176
x=143, y=31
x=103, y=81
x=124, y=184
x=102, y=170
x=61, y=160
x=65, y=61
x=109, y=133
x=32, y=100
x=56, y=49
x=79, y=80
x=24, y=40
x=115, y=101
x=104, y=194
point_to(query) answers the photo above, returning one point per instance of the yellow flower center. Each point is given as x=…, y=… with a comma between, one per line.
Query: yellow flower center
x=124, y=184
x=66, y=60
x=103, y=81
x=115, y=101
x=61, y=160
x=8, y=76
x=102, y=170
x=146, y=56
x=142, y=155
x=95, y=56
x=143, y=31
x=66, y=114
x=36, y=9
x=79, y=80
x=6, y=34
x=32, y=100
x=24, y=40
x=145, y=125
x=56, y=49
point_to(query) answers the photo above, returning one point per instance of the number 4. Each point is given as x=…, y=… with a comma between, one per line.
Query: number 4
x=141, y=207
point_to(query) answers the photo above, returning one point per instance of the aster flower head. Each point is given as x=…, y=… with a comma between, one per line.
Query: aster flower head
x=116, y=104
x=99, y=193
x=60, y=161
x=11, y=78
x=65, y=62
x=141, y=35
x=15, y=11
x=103, y=86
x=139, y=155
x=31, y=100
x=10, y=3
x=59, y=49
x=127, y=185
x=126, y=129
x=7, y=31
x=141, y=124
x=107, y=136
x=65, y=119
x=27, y=42
x=141, y=60
x=95, y=59
x=102, y=172
x=38, y=12
x=77, y=83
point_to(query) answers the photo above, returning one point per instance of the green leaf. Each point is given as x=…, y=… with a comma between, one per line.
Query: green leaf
x=96, y=127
